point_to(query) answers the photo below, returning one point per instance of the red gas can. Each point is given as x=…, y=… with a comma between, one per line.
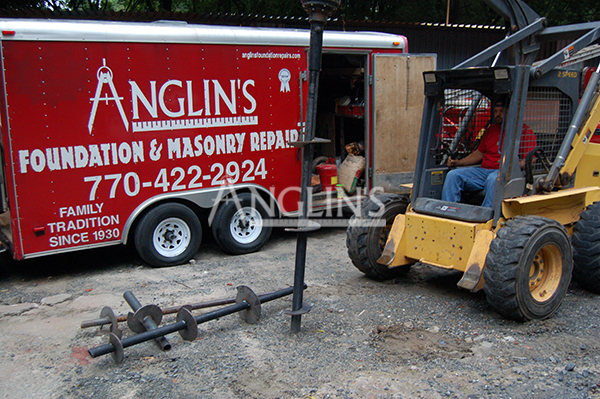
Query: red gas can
x=328, y=175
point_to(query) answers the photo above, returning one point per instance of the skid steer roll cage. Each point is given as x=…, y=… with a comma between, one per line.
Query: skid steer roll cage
x=511, y=81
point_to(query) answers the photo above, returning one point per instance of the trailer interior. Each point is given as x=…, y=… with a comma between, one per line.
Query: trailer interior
x=341, y=118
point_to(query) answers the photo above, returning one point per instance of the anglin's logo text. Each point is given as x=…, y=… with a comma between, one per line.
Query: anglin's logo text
x=166, y=108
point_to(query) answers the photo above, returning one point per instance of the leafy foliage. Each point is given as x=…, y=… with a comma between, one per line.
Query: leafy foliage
x=440, y=11
x=567, y=11
x=22, y=4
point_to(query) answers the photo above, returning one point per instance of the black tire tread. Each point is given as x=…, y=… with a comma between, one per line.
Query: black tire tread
x=144, y=230
x=502, y=263
x=357, y=238
x=220, y=228
x=586, y=249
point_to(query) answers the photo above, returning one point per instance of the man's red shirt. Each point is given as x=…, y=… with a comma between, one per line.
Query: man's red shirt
x=489, y=145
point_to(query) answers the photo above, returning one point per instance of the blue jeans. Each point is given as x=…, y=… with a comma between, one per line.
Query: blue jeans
x=470, y=179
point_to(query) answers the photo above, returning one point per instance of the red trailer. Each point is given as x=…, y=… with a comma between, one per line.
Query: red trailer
x=157, y=132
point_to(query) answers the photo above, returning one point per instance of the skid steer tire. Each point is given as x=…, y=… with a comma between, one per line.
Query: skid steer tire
x=586, y=249
x=365, y=240
x=528, y=268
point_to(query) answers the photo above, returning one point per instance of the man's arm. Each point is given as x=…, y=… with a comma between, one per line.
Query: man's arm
x=472, y=159
x=528, y=144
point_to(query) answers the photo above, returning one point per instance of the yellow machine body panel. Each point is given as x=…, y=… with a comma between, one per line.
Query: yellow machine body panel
x=463, y=246
x=564, y=206
x=588, y=169
x=436, y=241
x=393, y=242
x=581, y=142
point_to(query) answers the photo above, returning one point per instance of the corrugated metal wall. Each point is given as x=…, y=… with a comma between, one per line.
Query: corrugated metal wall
x=452, y=44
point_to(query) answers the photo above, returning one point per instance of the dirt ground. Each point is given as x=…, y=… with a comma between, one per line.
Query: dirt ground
x=416, y=336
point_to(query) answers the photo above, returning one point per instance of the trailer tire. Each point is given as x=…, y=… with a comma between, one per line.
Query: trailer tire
x=528, y=268
x=586, y=249
x=235, y=235
x=365, y=243
x=168, y=235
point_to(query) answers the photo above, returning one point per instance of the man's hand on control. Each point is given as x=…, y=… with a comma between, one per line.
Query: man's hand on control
x=452, y=162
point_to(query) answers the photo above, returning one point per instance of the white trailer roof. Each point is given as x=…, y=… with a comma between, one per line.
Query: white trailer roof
x=181, y=32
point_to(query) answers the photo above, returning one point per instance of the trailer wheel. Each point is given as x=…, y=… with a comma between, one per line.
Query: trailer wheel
x=365, y=239
x=586, y=249
x=168, y=235
x=528, y=268
x=239, y=225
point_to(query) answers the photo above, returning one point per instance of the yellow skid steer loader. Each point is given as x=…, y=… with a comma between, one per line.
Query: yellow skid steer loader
x=543, y=224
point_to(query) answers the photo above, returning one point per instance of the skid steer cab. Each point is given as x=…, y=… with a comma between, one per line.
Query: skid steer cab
x=522, y=246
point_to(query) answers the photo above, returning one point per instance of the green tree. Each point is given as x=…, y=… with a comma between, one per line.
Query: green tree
x=436, y=11
x=567, y=11
x=22, y=4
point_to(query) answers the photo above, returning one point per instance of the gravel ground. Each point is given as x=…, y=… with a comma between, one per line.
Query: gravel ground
x=414, y=337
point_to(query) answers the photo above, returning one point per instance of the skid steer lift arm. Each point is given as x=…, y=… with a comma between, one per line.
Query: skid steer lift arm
x=577, y=138
x=523, y=25
x=527, y=30
x=522, y=246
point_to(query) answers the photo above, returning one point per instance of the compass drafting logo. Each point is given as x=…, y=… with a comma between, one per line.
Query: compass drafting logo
x=105, y=76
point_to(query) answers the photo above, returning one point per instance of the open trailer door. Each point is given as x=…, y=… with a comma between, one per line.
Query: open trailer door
x=397, y=108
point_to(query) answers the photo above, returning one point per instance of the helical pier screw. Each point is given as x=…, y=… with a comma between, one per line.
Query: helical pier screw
x=145, y=318
x=248, y=304
x=168, y=310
